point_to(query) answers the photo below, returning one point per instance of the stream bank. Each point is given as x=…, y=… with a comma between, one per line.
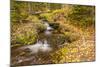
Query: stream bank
x=47, y=42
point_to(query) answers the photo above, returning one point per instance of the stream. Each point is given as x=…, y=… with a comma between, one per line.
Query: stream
x=30, y=54
x=38, y=53
x=42, y=44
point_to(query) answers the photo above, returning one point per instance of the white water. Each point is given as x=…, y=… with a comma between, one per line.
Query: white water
x=48, y=32
x=39, y=46
x=42, y=46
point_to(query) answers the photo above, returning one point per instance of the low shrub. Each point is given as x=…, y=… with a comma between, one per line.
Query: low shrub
x=71, y=36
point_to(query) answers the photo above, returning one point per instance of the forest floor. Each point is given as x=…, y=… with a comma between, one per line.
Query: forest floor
x=80, y=50
x=84, y=48
x=53, y=34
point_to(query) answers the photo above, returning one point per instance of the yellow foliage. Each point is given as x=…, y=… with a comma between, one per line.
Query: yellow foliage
x=74, y=50
x=59, y=56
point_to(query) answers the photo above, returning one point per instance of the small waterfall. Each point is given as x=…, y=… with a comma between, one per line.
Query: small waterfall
x=48, y=29
x=45, y=47
x=48, y=26
x=42, y=45
x=39, y=46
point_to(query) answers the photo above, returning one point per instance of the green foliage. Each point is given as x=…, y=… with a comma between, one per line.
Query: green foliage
x=83, y=16
x=39, y=6
x=47, y=16
x=59, y=55
x=58, y=11
x=53, y=15
x=54, y=6
x=14, y=16
x=33, y=19
x=64, y=38
x=18, y=11
x=26, y=38
x=40, y=27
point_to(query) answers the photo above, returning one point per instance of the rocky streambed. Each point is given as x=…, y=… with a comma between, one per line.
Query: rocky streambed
x=38, y=53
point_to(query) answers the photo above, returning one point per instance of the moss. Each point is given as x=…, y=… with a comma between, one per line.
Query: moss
x=40, y=27
x=23, y=34
x=37, y=23
x=26, y=38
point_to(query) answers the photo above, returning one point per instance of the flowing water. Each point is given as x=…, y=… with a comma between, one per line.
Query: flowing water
x=38, y=53
x=48, y=29
x=41, y=45
x=29, y=53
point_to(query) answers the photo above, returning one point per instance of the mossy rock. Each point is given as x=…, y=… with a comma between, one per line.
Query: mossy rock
x=40, y=27
x=54, y=25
